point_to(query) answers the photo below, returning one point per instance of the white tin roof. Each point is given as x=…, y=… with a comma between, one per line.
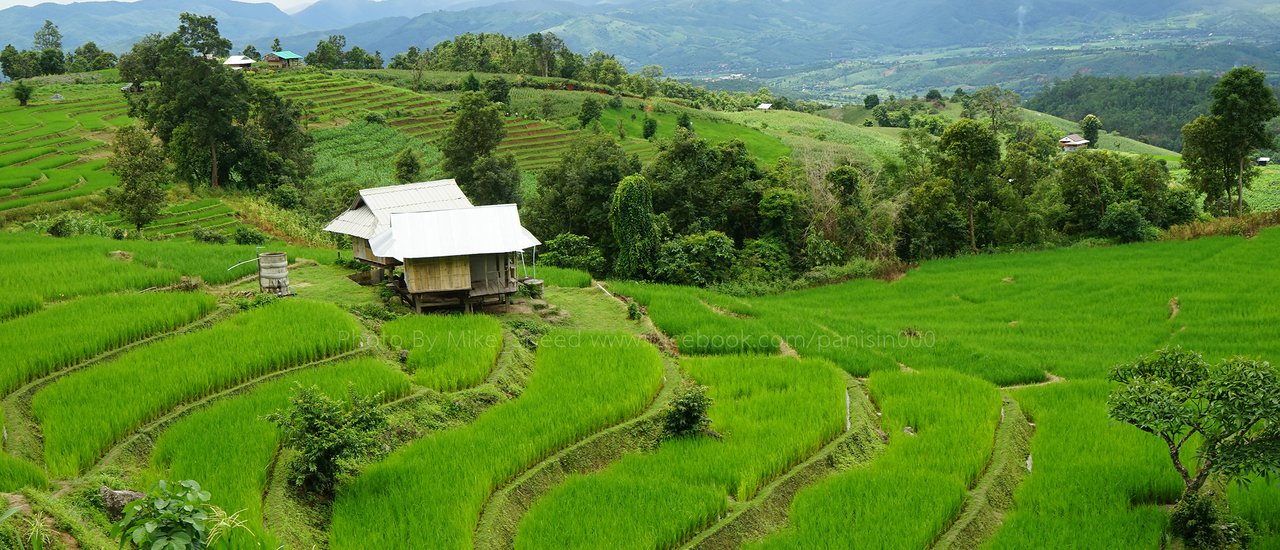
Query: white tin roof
x=238, y=60
x=459, y=232
x=371, y=212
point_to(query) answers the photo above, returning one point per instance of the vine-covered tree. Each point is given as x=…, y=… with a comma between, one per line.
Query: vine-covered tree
x=476, y=132
x=1090, y=128
x=631, y=217
x=139, y=163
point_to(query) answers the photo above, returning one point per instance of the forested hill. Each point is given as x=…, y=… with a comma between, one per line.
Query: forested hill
x=1149, y=109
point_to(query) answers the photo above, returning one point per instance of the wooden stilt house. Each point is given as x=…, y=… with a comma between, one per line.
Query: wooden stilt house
x=461, y=257
x=371, y=212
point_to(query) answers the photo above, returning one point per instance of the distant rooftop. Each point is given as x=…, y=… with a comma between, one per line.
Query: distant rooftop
x=286, y=54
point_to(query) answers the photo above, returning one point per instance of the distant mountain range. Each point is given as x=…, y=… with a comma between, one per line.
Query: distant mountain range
x=688, y=36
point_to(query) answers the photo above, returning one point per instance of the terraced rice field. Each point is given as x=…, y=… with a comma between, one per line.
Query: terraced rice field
x=53, y=152
x=334, y=98
x=180, y=220
x=891, y=429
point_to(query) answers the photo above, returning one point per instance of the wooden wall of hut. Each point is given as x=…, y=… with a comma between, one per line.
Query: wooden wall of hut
x=362, y=251
x=437, y=274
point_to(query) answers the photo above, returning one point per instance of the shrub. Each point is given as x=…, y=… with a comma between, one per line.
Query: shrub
x=248, y=235
x=700, y=259
x=633, y=311
x=1201, y=523
x=572, y=251
x=687, y=413
x=174, y=519
x=286, y=196
x=211, y=236
x=1123, y=221
x=330, y=436
x=71, y=224
x=615, y=101
x=374, y=117
x=650, y=127
x=22, y=92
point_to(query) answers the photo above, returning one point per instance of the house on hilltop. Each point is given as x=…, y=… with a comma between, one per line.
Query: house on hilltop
x=282, y=59
x=1073, y=142
x=460, y=257
x=238, y=62
x=765, y=107
x=370, y=213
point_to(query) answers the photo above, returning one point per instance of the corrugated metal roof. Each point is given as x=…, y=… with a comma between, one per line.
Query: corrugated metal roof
x=371, y=212
x=286, y=54
x=238, y=60
x=461, y=232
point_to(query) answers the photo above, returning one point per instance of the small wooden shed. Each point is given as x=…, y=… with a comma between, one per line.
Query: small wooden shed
x=282, y=59
x=461, y=257
x=370, y=213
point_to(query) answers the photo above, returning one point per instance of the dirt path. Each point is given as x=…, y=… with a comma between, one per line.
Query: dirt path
x=1050, y=378
x=991, y=496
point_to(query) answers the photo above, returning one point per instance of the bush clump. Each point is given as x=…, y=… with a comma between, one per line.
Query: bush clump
x=687, y=413
x=1124, y=222
x=248, y=235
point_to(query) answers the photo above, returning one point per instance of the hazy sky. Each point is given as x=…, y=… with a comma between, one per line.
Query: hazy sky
x=286, y=5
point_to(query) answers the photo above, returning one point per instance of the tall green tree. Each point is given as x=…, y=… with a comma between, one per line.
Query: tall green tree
x=631, y=217
x=1210, y=162
x=328, y=53
x=1244, y=103
x=89, y=57
x=575, y=193
x=251, y=52
x=999, y=106
x=142, y=62
x=275, y=44
x=476, y=132
x=495, y=180
x=48, y=37
x=871, y=101
x=200, y=33
x=1090, y=127
x=17, y=65
x=139, y=163
x=699, y=186
x=498, y=90
x=970, y=154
